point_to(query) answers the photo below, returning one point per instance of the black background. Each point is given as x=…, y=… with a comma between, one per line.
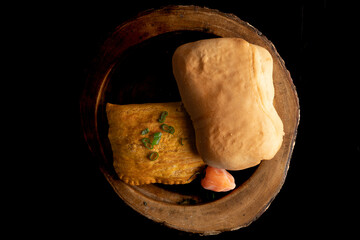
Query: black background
x=317, y=41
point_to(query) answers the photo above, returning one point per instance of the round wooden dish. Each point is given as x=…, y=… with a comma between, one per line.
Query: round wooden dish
x=135, y=67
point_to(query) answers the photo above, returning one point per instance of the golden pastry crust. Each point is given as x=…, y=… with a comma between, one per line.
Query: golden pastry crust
x=177, y=163
x=227, y=88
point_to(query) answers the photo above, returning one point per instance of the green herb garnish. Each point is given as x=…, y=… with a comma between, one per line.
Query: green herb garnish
x=163, y=116
x=167, y=128
x=147, y=143
x=157, y=137
x=153, y=156
x=181, y=141
x=145, y=131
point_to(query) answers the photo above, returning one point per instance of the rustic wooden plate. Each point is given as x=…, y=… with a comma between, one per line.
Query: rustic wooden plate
x=135, y=67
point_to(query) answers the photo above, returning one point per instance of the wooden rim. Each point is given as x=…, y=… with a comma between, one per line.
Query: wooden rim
x=254, y=196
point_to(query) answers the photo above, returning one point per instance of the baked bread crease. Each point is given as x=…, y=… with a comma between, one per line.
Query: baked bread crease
x=227, y=88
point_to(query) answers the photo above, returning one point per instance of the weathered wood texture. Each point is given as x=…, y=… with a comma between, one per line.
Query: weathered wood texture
x=179, y=24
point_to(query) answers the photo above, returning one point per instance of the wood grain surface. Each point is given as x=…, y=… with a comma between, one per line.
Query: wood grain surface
x=134, y=67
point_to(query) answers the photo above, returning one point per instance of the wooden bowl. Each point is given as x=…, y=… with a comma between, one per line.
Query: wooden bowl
x=135, y=67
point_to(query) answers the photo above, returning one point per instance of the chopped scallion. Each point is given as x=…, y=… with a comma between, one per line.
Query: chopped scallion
x=145, y=131
x=182, y=141
x=153, y=156
x=157, y=137
x=147, y=143
x=167, y=128
x=163, y=116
